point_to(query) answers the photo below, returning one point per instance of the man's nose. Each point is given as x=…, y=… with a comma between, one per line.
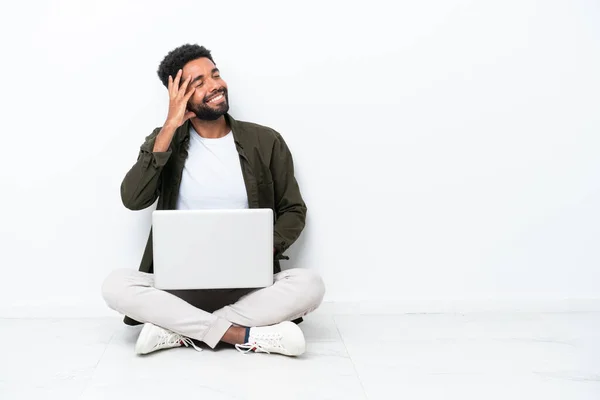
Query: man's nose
x=212, y=86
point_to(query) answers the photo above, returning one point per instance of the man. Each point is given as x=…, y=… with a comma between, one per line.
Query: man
x=201, y=158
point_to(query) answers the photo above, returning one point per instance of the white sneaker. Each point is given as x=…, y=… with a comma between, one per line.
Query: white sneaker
x=285, y=338
x=154, y=338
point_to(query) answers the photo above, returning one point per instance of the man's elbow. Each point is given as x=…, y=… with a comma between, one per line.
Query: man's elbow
x=131, y=202
x=297, y=211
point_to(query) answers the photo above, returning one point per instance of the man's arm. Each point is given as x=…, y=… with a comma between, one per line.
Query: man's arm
x=290, y=208
x=141, y=186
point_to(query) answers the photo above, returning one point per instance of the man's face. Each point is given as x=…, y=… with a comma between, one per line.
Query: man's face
x=210, y=100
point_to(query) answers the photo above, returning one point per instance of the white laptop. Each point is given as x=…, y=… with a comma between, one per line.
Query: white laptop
x=212, y=249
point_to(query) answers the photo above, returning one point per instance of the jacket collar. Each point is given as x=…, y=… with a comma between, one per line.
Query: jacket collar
x=236, y=130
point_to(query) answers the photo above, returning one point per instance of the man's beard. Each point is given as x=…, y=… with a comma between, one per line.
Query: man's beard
x=207, y=113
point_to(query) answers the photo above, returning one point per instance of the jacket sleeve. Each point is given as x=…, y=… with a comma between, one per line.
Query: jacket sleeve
x=141, y=186
x=290, y=208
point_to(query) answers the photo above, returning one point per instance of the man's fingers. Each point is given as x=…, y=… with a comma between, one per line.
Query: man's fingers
x=190, y=92
x=170, y=84
x=184, y=85
x=189, y=115
x=176, y=80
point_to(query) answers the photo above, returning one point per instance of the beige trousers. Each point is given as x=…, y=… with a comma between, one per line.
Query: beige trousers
x=294, y=293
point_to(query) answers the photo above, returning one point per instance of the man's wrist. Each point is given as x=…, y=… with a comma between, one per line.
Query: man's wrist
x=170, y=126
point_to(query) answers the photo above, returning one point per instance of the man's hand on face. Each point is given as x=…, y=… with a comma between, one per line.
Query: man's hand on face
x=179, y=95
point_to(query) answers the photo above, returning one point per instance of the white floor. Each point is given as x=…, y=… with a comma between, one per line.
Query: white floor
x=418, y=356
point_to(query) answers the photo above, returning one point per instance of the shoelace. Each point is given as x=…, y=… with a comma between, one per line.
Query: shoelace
x=169, y=339
x=260, y=343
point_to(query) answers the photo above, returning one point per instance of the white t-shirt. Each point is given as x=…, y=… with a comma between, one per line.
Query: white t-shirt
x=212, y=176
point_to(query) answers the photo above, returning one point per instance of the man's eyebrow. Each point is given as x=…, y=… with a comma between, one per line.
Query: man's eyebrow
x=199, y=77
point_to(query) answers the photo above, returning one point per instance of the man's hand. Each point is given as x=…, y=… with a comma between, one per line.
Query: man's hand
x=178, y=100
x=179, y=96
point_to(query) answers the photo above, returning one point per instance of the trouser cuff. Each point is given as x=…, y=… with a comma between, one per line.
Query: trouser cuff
x=215, y=332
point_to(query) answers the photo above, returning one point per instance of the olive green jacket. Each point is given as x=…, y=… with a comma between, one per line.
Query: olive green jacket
x=267, y=168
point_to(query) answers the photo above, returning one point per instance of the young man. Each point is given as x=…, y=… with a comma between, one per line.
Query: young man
x=201, y=158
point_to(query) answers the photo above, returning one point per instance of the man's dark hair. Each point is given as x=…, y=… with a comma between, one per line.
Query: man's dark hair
x=178, y=57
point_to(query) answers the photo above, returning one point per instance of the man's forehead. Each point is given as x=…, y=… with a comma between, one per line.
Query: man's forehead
x=200, y=66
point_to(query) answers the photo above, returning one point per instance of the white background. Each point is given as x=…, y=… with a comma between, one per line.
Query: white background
x=447, y=150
